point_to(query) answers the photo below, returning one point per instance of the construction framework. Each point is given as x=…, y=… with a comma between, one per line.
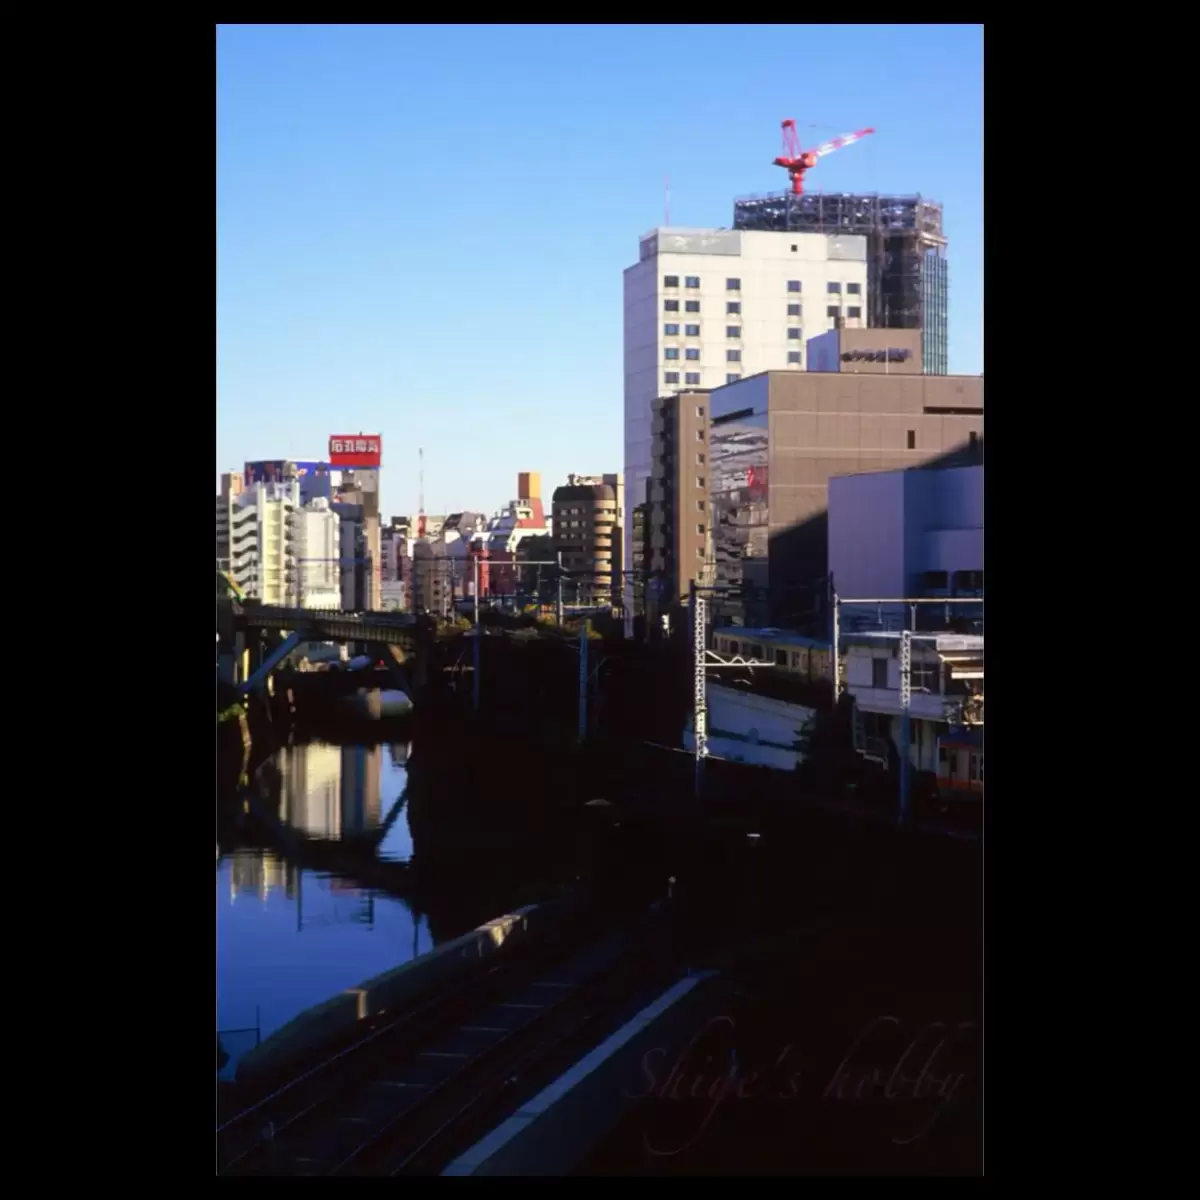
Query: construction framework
x=907, y=275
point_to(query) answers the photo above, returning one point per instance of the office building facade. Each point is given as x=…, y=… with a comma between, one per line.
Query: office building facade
x=775, y=442
x=705, y=307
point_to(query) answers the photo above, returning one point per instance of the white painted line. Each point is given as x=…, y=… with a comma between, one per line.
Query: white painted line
x=470, y=1160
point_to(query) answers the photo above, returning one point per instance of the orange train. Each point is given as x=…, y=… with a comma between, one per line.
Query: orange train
x=960, y=763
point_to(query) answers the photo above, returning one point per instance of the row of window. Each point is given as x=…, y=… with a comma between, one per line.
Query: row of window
x=734, y=308
x=735, y=285
x=671, y=330
x=692, y=378
x=691, y=354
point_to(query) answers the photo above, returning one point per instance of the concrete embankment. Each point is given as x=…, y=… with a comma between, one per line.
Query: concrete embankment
x=335, y=1020
x=554, y=1130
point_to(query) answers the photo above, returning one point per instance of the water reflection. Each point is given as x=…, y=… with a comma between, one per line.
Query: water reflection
x=289, y=938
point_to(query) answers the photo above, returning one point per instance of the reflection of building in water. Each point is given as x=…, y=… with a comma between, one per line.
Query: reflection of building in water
x=361, y=792
x=311, y=785
x=328, y=791
x=254, y=873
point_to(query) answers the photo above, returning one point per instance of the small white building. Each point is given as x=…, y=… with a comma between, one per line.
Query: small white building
x=262, y=559
x=872, y=666
x=317, y=529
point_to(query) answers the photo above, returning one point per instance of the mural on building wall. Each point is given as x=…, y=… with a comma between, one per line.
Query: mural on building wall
x=738, y=449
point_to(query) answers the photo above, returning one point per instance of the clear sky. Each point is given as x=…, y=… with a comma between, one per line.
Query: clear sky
x=421, y=229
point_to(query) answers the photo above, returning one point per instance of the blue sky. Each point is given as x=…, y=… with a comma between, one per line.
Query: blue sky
x=421, y=229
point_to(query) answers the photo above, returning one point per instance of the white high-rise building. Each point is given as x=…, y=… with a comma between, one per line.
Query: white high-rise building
x=261, y=542
x=705, y=307
x=318, y=549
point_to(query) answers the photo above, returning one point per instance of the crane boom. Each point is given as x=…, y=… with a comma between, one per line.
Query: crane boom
x=796, y=161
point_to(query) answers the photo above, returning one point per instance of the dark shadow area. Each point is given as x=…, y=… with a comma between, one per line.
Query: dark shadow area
x=798, y=594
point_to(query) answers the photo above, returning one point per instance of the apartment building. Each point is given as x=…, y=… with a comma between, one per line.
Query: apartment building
x=678, y=534
x=589, y=520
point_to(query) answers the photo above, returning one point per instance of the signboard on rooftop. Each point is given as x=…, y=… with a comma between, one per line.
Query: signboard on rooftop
x=358, y=451
x=948, y=643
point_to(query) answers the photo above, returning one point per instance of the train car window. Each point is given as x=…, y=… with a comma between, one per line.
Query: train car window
x=941, y=754
x=781, y=658
x=974, y=767
x=733, y=647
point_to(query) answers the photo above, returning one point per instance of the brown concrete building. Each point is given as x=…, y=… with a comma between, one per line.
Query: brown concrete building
x=677, y=538
x=777, y=438
x=589, y=518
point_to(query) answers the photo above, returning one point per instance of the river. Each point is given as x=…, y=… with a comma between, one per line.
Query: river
x=289, y=938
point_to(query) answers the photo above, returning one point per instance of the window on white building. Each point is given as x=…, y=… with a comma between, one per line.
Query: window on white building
x=834, y=289
x=854, y=312
x=794, y=334
x=692, y=306
x=692, y=354
x=733, y=356
x=692, y=330
x=670, y=306
x=794, y=310
x=671, y=352
x=793, y=356
x=670, y=281
x=854, y=289
x=671, y=377
x=692, y=281
x=793, y=285
x=670, y=331
x=732, y=378
x=832, y=310
x=733, y=285
x=733, y=307
x=693, y=379
x=733, y=331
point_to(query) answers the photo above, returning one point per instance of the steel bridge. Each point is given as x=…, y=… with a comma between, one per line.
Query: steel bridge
x=323, y=625
x=261, y=637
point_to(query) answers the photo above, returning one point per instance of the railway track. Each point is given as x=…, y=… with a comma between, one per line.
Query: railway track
x=406, y=1098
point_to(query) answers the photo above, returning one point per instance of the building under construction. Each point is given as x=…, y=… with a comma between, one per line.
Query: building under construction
x=906, y=255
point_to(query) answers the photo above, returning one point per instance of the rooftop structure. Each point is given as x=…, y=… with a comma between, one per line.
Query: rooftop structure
x=906, y=254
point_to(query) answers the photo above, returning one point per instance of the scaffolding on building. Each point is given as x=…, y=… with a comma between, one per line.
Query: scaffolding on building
x=906, y=253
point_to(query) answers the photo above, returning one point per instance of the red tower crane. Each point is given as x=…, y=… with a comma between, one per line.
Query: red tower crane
x=796, y=161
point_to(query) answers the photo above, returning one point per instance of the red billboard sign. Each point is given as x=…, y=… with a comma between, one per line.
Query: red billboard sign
x=361, y=450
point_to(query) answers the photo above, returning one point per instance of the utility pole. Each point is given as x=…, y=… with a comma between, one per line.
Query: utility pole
x=475, y=651
x=836, y=665
x=699, y=683
x=583, y=680
x=905, y=722
x=558, y=615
